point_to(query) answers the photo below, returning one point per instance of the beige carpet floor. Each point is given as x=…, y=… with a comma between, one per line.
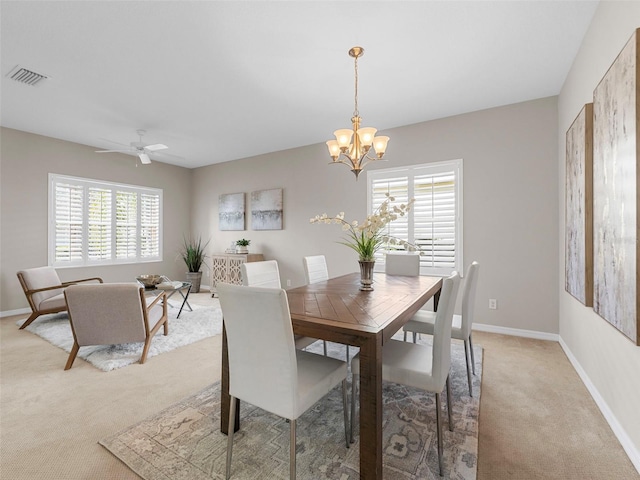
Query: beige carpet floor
x=537, y=420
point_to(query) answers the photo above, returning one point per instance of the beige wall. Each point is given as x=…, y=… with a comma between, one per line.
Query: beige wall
x=27, y=159
x=609, y=362
x=510, y=204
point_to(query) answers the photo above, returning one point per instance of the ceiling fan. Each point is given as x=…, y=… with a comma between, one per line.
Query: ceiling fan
x=139, y=148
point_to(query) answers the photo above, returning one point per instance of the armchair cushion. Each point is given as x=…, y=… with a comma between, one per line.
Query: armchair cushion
x=41, y=277
x=55, y=302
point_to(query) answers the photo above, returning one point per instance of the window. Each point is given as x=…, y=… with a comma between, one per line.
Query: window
x=93, y=222
x=434, y=224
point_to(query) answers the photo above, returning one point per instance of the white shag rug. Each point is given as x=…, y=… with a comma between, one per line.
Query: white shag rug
x=191, y=327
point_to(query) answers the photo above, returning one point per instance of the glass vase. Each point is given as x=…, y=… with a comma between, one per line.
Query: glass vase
x=366, y=274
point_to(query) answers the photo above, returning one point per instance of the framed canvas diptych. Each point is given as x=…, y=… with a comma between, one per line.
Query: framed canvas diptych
x=266, y=209
x=231, y=211
x=579, y=207
x=615, y=193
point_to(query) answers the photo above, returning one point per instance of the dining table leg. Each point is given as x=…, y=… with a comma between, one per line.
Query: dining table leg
x=371, y=408
x=225, y=398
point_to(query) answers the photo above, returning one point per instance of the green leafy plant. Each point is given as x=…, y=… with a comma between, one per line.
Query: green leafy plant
x=243, y=242
x=193, y=253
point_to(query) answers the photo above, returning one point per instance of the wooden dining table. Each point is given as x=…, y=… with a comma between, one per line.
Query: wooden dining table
x=336, y=310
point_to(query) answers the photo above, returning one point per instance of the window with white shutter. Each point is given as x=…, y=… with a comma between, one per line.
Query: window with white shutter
x=93, y=222
x=434, y=224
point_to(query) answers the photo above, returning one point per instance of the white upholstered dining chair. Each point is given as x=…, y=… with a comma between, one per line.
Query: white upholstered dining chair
x=424, y=321
x=267, y=275
x=421, y=366
x=315, y=270
x=402, y=264
x=282, y=379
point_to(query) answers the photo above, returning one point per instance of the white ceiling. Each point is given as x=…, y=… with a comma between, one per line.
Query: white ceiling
x=218, y=81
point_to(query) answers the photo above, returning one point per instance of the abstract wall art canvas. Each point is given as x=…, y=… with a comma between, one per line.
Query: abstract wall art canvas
x=579, y=207
x=266, y=209
x=231, y=211
x=615, y=193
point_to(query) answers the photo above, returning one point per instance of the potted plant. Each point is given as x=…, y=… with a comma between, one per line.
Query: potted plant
x=193, y=254
x=241, y=245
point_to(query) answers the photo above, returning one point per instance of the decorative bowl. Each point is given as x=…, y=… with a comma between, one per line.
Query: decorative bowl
x=149, y=281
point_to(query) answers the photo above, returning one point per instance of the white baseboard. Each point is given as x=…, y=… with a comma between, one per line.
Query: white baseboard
x=516, y=332
x=632, y=452
x=19, y=311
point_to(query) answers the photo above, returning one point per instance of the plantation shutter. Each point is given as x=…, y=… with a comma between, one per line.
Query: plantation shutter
x=434, y=224
x=149, y=225
x=99, y=224
x=435, y=220
x=93, y=222
x=69, y=204
x=398, y=188
x=126, y=225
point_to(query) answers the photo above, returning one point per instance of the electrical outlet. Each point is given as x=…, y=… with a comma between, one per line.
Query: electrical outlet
x=288, y=283
x=493, y=304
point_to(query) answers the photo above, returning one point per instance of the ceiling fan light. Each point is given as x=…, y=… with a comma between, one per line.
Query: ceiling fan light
x=144, y=158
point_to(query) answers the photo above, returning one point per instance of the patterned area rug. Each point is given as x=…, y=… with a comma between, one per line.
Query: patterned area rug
x=184, y=441
x=191, y=327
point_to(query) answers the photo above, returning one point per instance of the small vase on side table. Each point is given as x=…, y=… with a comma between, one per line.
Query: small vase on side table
x=366, y=275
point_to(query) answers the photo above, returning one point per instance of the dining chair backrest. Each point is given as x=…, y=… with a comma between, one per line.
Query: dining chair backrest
x=402, y=264
x=262, y=359
x=315, y=269
x=261, y=274
x=469, y=297
x=441, y=362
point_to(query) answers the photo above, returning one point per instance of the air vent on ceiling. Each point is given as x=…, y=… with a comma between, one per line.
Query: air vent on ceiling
x=26, y=76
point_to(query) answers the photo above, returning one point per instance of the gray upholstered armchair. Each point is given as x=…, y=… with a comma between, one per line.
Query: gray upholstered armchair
x=44, y=291
x=113, y=313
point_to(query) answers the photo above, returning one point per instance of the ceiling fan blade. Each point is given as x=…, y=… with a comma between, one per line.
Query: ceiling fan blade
x=144, y=158
x=111, y=141
x=155, y=147
x=113, y=151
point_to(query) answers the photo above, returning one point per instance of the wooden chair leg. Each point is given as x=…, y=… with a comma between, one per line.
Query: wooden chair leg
x=72, y=355
x=166, y=327
x=145, y=350
x=31, y=318
x=232, y=414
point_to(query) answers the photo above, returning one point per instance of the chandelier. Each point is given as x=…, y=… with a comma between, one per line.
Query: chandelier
x=356, y=154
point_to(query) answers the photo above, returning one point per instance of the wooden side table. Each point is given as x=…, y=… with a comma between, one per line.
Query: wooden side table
x=225, y=268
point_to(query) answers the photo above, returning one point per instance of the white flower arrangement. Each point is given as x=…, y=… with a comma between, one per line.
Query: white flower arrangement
x=367, y=238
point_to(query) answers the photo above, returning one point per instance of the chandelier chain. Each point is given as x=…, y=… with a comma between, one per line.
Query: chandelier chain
x=355, y=111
